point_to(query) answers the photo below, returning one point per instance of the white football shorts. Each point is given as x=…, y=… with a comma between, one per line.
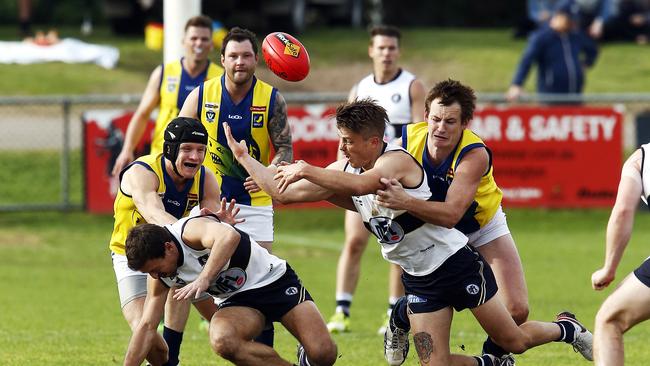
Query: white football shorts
x=495, y=228
x=259, y=222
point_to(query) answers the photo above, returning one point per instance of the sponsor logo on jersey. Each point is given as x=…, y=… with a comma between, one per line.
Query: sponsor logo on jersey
x=258, y=108
x=235, y=116
x=414, y=299
x=396, y=98
x=472, y=289
x=228, y=281
x=386, y=230
x=173, y=202
x=290, y=48
x=209, y=115
x=257, y=120
x=210, y=105
x=291, y=291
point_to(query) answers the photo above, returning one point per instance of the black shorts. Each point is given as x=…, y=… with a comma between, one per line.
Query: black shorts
x=273, y=300
x=643, y=272
x=464, y=281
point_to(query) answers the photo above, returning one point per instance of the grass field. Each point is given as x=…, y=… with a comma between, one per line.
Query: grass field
x=60, y=304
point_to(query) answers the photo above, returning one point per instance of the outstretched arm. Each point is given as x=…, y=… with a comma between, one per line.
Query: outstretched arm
x=303, y=191
x=396, y=164
x=621, y=221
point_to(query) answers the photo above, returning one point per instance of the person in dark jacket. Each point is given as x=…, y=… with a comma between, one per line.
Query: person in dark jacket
x=561, y=52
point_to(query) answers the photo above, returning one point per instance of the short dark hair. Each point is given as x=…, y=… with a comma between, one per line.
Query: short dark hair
x=199, y=21
x=363, y=116
x=385, y=30
x=239, y=35
x=145, y=242
x=450, y=91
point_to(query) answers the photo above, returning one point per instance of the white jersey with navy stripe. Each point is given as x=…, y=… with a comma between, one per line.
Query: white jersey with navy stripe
x=250, y=267
x=394, y=96
x=645, y=172
x=418, y=247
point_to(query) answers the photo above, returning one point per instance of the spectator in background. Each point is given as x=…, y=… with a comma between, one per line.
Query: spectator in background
x=632, y=22
x=592, y=15
x=561, y=52
x=538, y=13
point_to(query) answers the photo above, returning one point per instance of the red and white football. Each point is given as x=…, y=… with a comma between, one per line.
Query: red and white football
x=285, y=56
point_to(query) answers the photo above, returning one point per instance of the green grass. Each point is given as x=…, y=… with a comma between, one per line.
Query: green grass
x=483, y=58
x=60, y=304
x=40, y=182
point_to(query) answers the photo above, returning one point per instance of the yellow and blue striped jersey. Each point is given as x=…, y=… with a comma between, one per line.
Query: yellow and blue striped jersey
x=248, y=120
x=488, y=195
x=177, y=203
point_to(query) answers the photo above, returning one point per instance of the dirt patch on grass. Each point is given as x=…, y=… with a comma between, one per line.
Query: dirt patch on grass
x=19, y=239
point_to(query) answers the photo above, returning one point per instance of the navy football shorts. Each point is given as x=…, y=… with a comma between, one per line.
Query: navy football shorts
x=643, y=272
x=273, y=300
x=463, y=281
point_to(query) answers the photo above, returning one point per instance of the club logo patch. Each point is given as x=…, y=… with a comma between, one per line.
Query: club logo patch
x=472, y=289
x=257, y=120
x=172, y=83
x=228, y=281
x=291, y=291
x=386, y=230
x=209, y=116
x=396, y=98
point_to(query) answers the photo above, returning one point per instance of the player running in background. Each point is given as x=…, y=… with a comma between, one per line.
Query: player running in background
x=629, y=304
x=168, y=86
x=441, y=272
x=402, y=95
x=251, y=285
x=161, y=188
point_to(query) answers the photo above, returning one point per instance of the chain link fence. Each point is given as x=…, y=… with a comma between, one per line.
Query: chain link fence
x=41, y=139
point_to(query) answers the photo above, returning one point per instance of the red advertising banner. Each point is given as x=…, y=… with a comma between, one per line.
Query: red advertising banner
x=554, y=156
x=103, y=135
x=315, y=140
x=543, y=156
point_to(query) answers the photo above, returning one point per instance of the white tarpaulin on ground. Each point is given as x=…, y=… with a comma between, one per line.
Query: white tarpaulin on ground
x=69, y=50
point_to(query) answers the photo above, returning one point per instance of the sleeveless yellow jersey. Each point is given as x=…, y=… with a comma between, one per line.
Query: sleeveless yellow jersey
x=175, y=85
x=248, y=121
x=177, y=203
x=488, y=195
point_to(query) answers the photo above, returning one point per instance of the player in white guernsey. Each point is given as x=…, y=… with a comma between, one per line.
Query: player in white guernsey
x=441, y=272
x=629, y=304
x=251, y=287
x=402, y=96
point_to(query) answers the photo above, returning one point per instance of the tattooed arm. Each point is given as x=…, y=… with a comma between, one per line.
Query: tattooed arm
x=280, y=132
